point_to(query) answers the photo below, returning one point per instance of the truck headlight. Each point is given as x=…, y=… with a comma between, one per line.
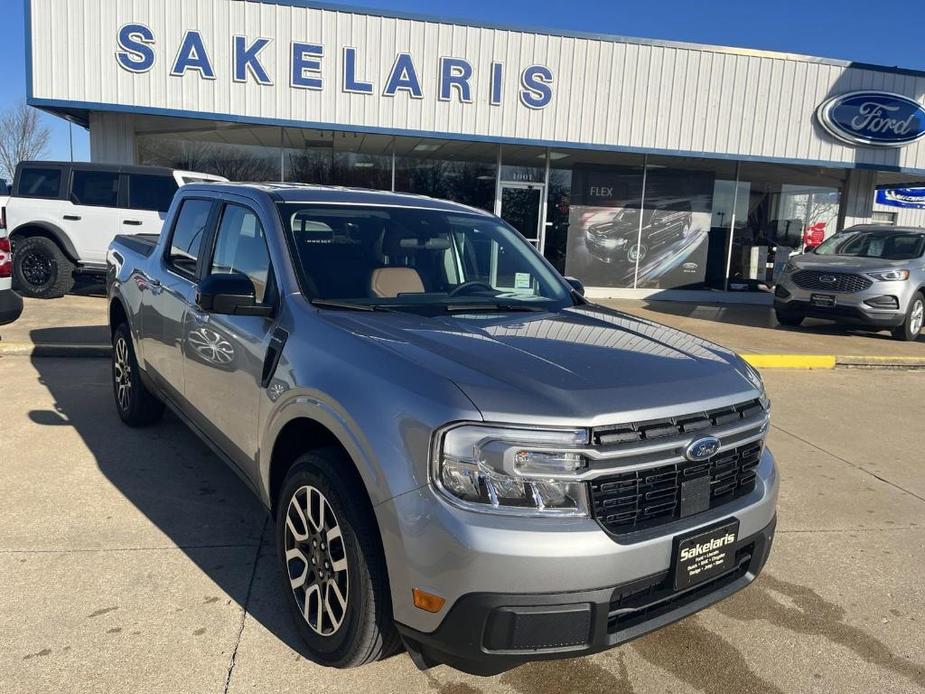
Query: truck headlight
x=890, y=275
x=511, y=470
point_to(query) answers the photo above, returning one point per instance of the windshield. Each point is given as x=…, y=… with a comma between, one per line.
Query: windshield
x=899, y=245
x=406, y=258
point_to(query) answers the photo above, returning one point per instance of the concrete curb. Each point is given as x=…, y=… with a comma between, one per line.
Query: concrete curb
x=27, y=349
x=831, y=361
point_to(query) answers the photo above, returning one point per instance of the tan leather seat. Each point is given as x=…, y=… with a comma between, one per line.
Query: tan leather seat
x=389, y=282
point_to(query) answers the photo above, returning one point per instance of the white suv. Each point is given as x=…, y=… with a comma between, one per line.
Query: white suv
x=62, y=217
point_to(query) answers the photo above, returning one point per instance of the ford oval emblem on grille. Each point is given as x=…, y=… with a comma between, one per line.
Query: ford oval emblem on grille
x=702, y=449
x=828, y=279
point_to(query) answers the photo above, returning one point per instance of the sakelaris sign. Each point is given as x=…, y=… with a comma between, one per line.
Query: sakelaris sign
x=878, y=119
x=138, y=52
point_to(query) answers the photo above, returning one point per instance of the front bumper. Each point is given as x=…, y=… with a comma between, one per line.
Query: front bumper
x=489, y=567
x=849, y=308
x=10, y=306
x=488, y=633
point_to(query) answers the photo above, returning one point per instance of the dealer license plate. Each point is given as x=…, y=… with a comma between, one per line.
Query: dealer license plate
x=822, y=300
x=705, y=555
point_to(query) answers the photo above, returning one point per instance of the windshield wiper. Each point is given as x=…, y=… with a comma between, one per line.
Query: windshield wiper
x=349, y=305
x=492, y=306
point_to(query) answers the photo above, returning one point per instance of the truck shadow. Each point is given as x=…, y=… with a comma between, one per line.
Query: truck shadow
x=172, y=478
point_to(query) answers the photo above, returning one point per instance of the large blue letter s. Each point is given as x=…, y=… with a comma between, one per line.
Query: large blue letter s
x=536, y=81
x=136, y=55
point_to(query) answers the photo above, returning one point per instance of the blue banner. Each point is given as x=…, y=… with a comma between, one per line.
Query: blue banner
x=902, y=197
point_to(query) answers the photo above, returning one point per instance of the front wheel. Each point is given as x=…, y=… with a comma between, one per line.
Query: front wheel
x=137, y=406
x=333, y=564
x=915, y=317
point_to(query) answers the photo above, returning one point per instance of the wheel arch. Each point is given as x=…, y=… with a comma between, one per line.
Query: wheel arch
x=117, y=315
x=303, y=434
x=49, y=231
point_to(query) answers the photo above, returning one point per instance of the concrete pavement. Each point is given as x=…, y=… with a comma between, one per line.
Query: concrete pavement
x=133, y=560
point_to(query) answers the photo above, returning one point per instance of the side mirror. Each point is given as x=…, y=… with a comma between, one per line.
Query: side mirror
x=576, y=285
x=230, y=295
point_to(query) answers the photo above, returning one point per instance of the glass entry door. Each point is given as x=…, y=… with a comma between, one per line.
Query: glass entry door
x=521, y=207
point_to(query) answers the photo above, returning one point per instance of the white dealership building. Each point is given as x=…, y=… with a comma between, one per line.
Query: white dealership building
x=641, y=167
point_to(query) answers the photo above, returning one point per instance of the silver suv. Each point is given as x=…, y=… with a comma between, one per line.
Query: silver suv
x=462, y=454
x=872, y=276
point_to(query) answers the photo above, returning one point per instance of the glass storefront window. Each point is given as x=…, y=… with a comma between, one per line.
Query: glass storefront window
x=687, y=218
x=343, y=159
x=788, y=209
x=237, y=152
x=463, y=172
x=604, y=202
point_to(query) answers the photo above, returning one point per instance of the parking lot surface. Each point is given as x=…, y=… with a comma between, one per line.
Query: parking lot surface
x=133, y=560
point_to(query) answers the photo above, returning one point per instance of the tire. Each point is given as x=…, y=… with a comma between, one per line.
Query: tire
x=137, y=406
x=637, y=250
x=40, y=269
x=791, y=320
x=912, y=326
x=336, y=634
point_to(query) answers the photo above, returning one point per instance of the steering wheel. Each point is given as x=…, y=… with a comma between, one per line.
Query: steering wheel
x=465, y=286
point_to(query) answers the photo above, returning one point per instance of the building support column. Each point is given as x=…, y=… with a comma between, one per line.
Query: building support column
x=857, y=198
x=112, y=138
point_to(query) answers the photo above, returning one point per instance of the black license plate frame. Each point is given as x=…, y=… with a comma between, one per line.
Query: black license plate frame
x=705, y=554
x=823, y=300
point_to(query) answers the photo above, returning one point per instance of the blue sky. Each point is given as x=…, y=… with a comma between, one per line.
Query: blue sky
x=851, y=29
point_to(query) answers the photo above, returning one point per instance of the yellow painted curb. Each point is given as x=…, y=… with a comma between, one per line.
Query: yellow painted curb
x=791, y=361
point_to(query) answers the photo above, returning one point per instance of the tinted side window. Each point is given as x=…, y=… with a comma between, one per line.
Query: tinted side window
x=39, y=183
x=240, y=247
x=188, y=233
x=151, y=192
x=98, y=188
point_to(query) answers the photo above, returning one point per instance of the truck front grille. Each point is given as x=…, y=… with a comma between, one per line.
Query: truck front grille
x=634, y=501
x=831, y=281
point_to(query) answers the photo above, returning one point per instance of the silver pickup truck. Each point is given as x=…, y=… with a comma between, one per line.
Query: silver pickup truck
x=463, y=456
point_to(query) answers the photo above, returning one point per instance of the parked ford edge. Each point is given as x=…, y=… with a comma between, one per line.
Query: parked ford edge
x=463, y=456
x=869, y=276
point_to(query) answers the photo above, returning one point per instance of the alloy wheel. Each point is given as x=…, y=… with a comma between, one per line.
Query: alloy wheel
x=122, y=374
x=917, y=318
x=316, y=561
x=37, y=269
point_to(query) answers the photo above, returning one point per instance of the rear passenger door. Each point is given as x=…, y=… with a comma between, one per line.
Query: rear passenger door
x=172, y=292
x=93, y=219
x=224, y=355
x=149, y=197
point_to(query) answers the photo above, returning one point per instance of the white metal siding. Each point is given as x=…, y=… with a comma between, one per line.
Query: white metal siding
x=607, y=93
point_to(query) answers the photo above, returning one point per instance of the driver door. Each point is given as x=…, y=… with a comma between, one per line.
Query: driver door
x=224, y=354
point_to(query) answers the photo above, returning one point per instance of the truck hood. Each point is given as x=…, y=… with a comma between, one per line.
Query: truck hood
x=587, y=365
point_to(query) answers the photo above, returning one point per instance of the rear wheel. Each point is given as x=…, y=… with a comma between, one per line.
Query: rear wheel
x=915, y=318
x=792, y=320
x=137, y=406
x=40, y=269
x=333, y=565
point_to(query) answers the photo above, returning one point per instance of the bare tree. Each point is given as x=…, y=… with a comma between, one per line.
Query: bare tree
x=23, y=136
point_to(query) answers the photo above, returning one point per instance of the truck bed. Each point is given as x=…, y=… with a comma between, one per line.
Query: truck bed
x=142, y=244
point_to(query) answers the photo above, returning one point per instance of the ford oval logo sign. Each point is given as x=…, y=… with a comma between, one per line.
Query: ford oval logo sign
x=873, y=118
x=702, y=449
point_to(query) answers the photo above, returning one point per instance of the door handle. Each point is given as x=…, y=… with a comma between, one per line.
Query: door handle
x=131, y=222
x=274, y=353
x=72, y=217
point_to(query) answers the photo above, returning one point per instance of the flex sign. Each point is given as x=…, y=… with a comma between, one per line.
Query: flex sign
x=138, y=52
x=879, y=119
